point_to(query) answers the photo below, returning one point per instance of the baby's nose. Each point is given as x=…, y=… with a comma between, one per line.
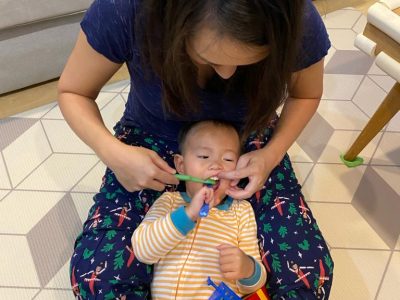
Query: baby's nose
x=215, y=166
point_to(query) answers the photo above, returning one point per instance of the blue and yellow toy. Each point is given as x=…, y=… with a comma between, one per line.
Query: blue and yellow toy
x=222, y=292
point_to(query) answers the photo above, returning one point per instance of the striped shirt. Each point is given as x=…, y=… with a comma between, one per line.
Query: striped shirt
x=184, y=252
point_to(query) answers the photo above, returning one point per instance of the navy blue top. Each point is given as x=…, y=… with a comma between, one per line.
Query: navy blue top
x=109, y=27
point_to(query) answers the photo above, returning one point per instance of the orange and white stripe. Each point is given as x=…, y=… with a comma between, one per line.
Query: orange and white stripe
x=183, y=263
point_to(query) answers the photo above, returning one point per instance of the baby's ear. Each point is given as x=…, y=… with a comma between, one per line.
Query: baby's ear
x=178, y=161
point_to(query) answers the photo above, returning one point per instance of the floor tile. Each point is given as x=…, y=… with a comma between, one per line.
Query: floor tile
x=61, y=226
x=12, y=128
x=116, y=87
x=17, y=267
x=333, y=183
x=302, y=170
x=359, y=26
x=92, y=181
x=349, y=62
x=297, y=154
x=342, y=115
x=342, y=19
x=105, y=98
x=4, y=179
x=369, y=96
x=330, y=54
x=127, y=89
x=15, y=293
x=391, y=283
x=314, y=136
x=3, y=193
x=27, y=207
x=125, y=96
x=83, y=202
x=21, y=162
x=54, y=294
x=398, y=244
x=385, y=82
x=388, y=151
x=360, y=273
x=37, y=113
x=343, y=39
x=394, y=124
x=60, y=172
x=61, y=279
x=340, y=87
x=54, y=114
x=341, y=141
x=391, y=174
x=342, y=226
x=375, y=70
x=379, y=205
x=62, y=139
x=113, y=111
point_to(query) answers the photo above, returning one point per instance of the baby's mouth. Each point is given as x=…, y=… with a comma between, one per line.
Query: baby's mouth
x=217, y=183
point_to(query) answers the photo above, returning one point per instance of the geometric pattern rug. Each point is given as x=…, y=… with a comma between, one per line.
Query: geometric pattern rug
x=48, y=177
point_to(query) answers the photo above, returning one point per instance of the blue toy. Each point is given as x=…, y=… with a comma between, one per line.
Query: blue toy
x=222, y=292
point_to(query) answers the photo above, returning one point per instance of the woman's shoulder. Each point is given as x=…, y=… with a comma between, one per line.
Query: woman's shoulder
x=116, y=5
x=109, y=27
x=314, y=43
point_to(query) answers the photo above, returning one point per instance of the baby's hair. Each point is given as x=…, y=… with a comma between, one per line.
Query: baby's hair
x=187, y=128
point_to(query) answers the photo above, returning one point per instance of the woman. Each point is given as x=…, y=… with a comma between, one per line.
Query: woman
x=191, y=60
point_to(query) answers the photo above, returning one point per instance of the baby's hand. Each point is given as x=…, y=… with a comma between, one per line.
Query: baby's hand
x=234, y=263
x=204, y=195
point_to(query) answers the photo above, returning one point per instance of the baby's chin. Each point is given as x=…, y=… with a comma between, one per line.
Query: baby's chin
x=218, y=199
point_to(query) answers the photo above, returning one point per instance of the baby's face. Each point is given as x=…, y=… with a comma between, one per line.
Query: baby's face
x=208, y=150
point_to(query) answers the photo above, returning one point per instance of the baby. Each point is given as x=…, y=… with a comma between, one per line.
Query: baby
x=186, y=248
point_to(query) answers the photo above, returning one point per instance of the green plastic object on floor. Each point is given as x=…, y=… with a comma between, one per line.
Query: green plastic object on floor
x=352, y=163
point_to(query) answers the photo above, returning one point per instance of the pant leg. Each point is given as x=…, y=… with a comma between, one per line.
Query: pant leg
x=103, y=265
x=294, y=251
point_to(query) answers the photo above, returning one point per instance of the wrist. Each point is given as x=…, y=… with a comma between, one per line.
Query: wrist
x=108, y=151
x=251, y=267
x=255, y=276
x=191, y=214
x=274, y=153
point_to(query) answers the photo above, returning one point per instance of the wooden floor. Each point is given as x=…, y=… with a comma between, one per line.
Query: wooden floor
x=28, y=98
x=327, y=6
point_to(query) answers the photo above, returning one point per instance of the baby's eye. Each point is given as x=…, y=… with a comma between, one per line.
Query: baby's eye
x=202, y=156
x=229, y=159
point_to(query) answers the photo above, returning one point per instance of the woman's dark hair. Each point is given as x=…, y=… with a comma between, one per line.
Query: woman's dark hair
x=164, y=27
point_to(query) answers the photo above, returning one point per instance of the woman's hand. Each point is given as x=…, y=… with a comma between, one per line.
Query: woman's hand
x=234, y=263
x=138, y=168
x=256, y=166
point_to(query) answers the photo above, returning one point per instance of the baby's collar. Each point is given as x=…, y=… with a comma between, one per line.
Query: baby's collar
x=224, y=205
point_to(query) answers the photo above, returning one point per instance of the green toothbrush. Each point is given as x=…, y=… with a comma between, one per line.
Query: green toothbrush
x=184, y=177
x=209, y=182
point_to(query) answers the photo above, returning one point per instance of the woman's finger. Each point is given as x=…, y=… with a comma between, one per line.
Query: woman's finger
x=245, y=193
x=156, y=185
x=162, y=164
x=235, y=174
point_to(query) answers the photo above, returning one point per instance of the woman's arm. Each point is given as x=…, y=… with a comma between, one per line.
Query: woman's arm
x=303, y=101
x=84, y=75
x=304, y=97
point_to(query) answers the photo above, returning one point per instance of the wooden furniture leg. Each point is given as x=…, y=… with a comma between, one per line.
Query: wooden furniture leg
x=388, y=108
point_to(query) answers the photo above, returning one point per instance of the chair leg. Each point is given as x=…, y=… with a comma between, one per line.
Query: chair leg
x=388, y=108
